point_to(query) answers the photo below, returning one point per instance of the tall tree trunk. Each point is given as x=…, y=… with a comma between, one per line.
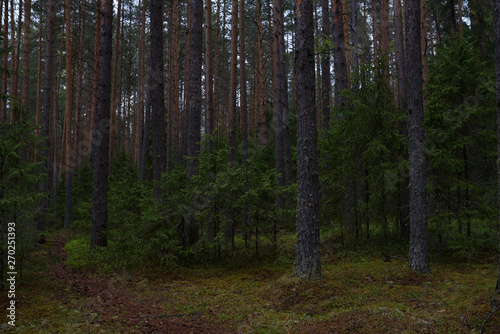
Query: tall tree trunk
x=114, y=88
x=38, y=88
x=209, y=80
x=194, y=111
x=261, y=80
x=347, y=48
x=277, y=98
x=3, y=102
x=326, y=83
x=141, y=163
x=375, y=30
x=157, y=93
x=92, y=113
x=401, y=98
x=26, y=58
x=68, y=117
x=452, y=16
x=243, y=86
x=418, y=257
x=100, y=144
x=79, y=86
x=174, y=106
x=141, y=94
x=216, y=69
x=355, y=42
x=185, y=116
x=340, y=62
x=15, y=114
x=423, y=39
x=47, y=103
x=145, y=139
x=460, y=20
x=232, y=81
x=307, y=256
x=384, y=38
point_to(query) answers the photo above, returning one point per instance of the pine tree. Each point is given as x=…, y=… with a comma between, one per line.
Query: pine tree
x=307, y=256
x=47, y=103
x=156, y=92
x=100, y=142
x=195, y=62
x=68, y=118
x=418, y=258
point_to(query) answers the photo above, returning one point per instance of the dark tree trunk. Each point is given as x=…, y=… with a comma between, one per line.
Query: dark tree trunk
x=326, y=83
x=146, y=133
x=232, y=81
x=261, y=114
x=307, y=256
x=243, y=87
x=47, y=102
x=141, y=80
x=403, y=125
x=100, y=140
x=418, y=258
x=26, y=60
x=356, y=43
x=68, y=118
x=114, y=87
x=156, y=92
x=194, y=111
x=79, y=85
x=209, y=80
x=278, y=100
x=340, y=62
x=285, y=114
x=496, y=20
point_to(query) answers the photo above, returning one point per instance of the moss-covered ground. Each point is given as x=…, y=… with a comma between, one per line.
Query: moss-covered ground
x=359, y=293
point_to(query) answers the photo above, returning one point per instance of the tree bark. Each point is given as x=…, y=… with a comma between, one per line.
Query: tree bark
x=38, y=90
x=307, y=256
x=423, y=39
x=326, y=83
x=340, y=62
x=261, y=79
x=114, y=88
x=174, y=101
x=403, y=213
x=232, y=82
x=92, y=113
x=217, y=119
x=278, y=100
x=209, y=79
x=418, y=253
x=141, y=81
x=384, y=38
x=47, y=102
x=194, y=111
x=100, y=143
x=157, y=93
x=26, y=57
x=68, y=117
x=79, y=91
x=243, y=86
x=3, y=102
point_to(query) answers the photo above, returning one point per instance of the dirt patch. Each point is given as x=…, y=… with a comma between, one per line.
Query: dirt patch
x=108, y=304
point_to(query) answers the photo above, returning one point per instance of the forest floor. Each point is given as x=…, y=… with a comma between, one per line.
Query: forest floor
x=358, y=294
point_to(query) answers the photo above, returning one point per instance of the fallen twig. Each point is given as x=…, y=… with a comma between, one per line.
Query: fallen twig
x=495, y=310
x=167, y=315
x=388, y=257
